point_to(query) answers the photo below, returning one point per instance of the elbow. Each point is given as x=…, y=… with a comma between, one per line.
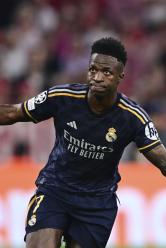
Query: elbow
x=163, y=172
x=163, y=169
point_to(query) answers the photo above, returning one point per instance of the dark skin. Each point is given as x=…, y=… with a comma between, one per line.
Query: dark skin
x=104, y=75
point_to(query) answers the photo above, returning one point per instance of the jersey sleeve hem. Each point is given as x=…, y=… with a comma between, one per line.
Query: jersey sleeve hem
x=150, y=146
x=27, y=113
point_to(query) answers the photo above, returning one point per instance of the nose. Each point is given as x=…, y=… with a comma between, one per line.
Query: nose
x=98, y=77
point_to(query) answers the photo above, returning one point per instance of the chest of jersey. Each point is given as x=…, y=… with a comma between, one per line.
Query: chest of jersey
x=89, y=135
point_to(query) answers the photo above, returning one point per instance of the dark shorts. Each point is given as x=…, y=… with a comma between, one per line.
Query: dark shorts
x=83, y=218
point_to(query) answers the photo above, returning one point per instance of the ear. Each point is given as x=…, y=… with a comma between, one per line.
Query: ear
x=121, y=75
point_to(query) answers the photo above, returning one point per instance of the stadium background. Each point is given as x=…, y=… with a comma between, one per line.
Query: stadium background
x=47, y=42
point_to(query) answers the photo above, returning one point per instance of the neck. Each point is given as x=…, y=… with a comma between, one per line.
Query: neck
x=99, y=104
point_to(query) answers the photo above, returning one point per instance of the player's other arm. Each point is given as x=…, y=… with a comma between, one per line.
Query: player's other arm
x=11, y=113
x=157, y=156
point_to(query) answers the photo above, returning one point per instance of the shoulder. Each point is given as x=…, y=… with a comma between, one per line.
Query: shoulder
x=130, y=107
x=71, y=90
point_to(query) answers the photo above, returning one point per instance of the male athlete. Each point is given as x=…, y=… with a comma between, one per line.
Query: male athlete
x=76, y=190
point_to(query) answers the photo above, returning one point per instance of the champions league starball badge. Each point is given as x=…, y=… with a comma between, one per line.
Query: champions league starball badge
x=111, y=136
x=41, y=97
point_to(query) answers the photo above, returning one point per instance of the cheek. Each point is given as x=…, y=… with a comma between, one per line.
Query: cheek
x=89, y=76
x=111, y=82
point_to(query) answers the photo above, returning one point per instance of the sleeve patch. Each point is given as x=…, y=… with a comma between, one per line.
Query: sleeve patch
x=41, y=97
x=151, y=132
x=31, y=104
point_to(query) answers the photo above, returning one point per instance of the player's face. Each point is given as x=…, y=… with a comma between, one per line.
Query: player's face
x=104, y=74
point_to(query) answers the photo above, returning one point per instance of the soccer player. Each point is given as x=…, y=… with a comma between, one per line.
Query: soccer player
x=76, y=190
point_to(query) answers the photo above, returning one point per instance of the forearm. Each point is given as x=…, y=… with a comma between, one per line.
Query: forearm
x=160, y=164
x=10, y=114
x=158, y=158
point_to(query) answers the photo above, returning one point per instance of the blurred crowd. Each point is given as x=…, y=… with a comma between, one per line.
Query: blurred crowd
x=47, y=42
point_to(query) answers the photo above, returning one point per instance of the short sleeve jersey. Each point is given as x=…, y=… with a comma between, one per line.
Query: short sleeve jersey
x=88, y=146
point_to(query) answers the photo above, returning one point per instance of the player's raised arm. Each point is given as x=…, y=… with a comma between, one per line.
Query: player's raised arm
x=11, y=113
x=157, y=156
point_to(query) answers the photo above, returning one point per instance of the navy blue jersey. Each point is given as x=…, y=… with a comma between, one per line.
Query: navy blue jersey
x=88, y=146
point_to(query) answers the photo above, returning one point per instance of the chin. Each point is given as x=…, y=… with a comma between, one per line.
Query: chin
x=98, y=93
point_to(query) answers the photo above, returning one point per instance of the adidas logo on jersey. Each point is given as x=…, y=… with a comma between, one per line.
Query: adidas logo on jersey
x=72, y=124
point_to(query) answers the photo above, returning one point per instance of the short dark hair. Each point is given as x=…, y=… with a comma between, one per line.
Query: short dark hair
x=110, y=46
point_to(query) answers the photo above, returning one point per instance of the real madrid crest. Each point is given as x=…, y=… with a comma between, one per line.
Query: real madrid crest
x=32, y=220
x=111, y=136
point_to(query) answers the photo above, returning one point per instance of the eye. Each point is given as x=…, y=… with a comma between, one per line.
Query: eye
x=107, y=73
x=92, y=70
